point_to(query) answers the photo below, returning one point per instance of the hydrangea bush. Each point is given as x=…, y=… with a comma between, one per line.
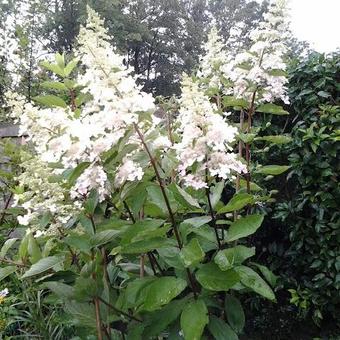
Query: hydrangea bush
x=127, y=223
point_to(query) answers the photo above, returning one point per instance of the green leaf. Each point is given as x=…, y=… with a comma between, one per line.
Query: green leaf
x=272, y=108
x=6, y=271
x=197, y=221
x=216, y=193
x=253, y=186
x=184, y=197
x=54, y=85
x=232, y=101
x=60, y=59
x=7, y=245
x=55, y=68
x=220, y=330
x=76, y=172
x=51, y=101
x=253, y=281
x=159, y=320
x=234, y=312
x=268, y=274
x=237, y=202
x=272, y=169
x=278, y=139
x=211, y=277
x=192, y=253
x=277, y=73
x=91, y=202
x=60, y=289
x=42, y=266
x=161, y=291
x=33, y=249
x=244, y=226
x=228, y=258
x=194, y=318
x=324, y=94
x=70, y=67
x=104, y=237
x=142, y=247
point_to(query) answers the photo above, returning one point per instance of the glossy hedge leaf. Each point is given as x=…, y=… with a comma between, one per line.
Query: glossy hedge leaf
x=192, y=253
x=237, y=202
x=211, y=277
x=272, y=169
x=228, y=258
x=253, y=281
x=268, y=274
x=272, y=108
x=243, y=227
x=43, y=265
x=194, y=318
x=278, y=139
x=6, y=271
x=161, y=291
x=220, y=329
x=7, y=245
x=51, y=101
x=234, y=312
x=160, y=319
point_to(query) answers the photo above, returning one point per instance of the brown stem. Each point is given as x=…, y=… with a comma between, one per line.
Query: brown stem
x=167, y=203
x=98, y=321
x=118, y=311
x=2, y=218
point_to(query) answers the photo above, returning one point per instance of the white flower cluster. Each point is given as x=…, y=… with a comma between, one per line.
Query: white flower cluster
x=45, y=195
x=259, y=70
x=69, y=138
x=206, y=139
x=213, y=59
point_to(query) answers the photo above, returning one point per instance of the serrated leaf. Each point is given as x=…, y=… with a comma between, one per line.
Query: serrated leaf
x=142, y=247
x=237, y=202
x=194, y=318
x=6, y=271
x=278, y=139
x=253, y=186
x=272, y=169
x=104, y=237
x=55, y=85
x=42, y=266
x=190, y=201
x=192, y=253
x=161, y=291
x=272, y=108
x=70, y=67
x=244, y=226
x=55, y=68
x=220, y=330
x=228, y=258
x=60, y=59
x=268, y=274
x=235, y=102
x=253, y=281
x=159, y=320
x=7, y=245
x=51, y=101
x=211, y=277
x=234, y=312
x=76, y=172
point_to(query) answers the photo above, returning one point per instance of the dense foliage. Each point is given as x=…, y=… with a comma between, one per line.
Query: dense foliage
x=311, y=213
